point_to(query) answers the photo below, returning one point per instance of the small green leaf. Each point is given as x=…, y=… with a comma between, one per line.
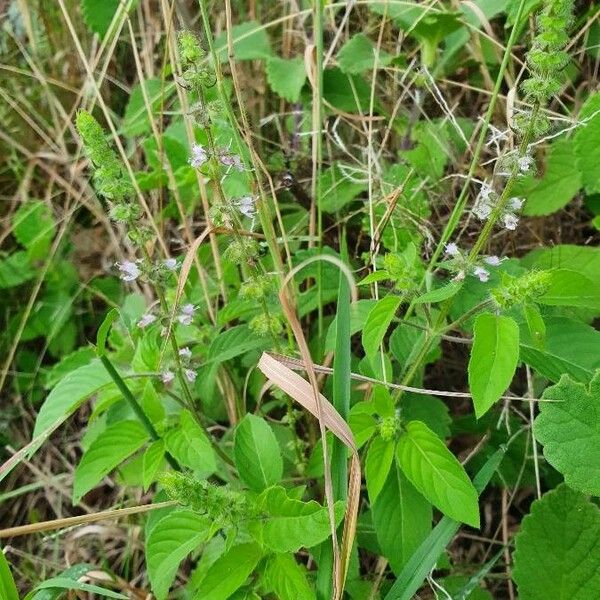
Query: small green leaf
x=116, y=443
x=66, y=583
x=33, y=225
x=169, y=542
x=98, y=14
x=136, y=120
x=437, y=474
x=151, y=462
x=535, y=325
x=233, y=342
x=494, y=358
x=359, y=54
x=439, y=294
x=229, y=572
x=568, y=427
x=250, y=42
x=15, y=269
x=8, y=589
x=377, y=324
x=380, y=456
x=111, y=316
x=284, y=577
x=286, y=77
x=556, y=551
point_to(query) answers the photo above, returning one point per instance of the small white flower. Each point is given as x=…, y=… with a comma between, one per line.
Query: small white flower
x=199, y=156
x=146, y=320
x=482, y=210
x=246, y=206
x=516, y=203
x=451, y=249
x=187, y=314
x=129, y=270
x=167, y=376
x=486, y=191
x=185, y=352
x=170, y=263
x=525, y=163
x=493, y=261
x=483, y=274
x=460, y=276
x=190, y=375
x=232, y=160
x=510, y=221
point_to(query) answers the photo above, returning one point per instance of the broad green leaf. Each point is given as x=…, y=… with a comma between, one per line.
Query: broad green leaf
x=286, y=77
x=359, y=54
x=402, y=519
x=229, y=572
x=587, y=145
x=582, y=259
x=250, y=42
x=570, y=288
x=337, y=188
x=169, y=542
x=8, y=589
x=362, y=424
x=116, y=443
x=559, y=184
x=535, y=326
x=98, y=14
x=70, y=584
x=284, y=577
x=190, y=447
x=429, y=410
x=556, y=551
x=33, y=225
x=15, y=269
x=568, y=427
x=439, y=294
x=291, y=524
x=69, y=394
x=493, y=361
x=349, y=93
x=233, y=342
x=377, y=324
x=257, y=453
x=437, y=474
x=136, y=120
x=380, y=456
x=152, y=461
x=571, y=347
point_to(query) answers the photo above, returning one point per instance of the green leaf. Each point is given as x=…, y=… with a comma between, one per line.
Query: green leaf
x=494, y=358
x=66, y=583
x=15, y=269
x=570, y=288
x=559, y=184
x=359, y=54
x=284, y=577
x=169, y=542
x=582, y=259
x=428, y=409
x=233, y=342
x=291, y=524
x=34, y=227
x=250, y=42
x=229, y=572
x=535, y=326
x=569, y=430
x=359, y=311
x=437, y=474
x=571, y=347
x=116, y=443
x=402, y=519
x=69, y=394
x=74, y=573
x=8, y=589
x=587, y=145
x=380, y=456
x=439, y=294
x=337, y=189
x=98, y=14
x=136, y=120
x=152, y=461
x=377, y=324
x=286, y=77
x=111, y=316
x=257, y=453
x=557, y=552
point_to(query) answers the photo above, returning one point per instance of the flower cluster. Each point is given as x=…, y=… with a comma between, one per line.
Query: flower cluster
x=488, y=200
x=389, y=428
x=201, y=155
x=460, y=264
x=520, y=290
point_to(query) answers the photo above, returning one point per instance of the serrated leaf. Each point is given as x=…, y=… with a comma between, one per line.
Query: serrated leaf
x=587, y=145
x=286, y=77
x=436, y=473
x=402, y=519
x=69, y=394
x=359, y=54
x=257, y=453
x=229, y=572
x=569, y=430
x=557, y=552
x=151, y=462
x=33, y=225
x=493, y=361
x=377, y=323
x=287, y=579
x=380, y=456
x=291, y=524
x=169, y=542
x=15, y=269
x=116, y=443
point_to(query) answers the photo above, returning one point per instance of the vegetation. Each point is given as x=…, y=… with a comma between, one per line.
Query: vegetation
x=300, y=299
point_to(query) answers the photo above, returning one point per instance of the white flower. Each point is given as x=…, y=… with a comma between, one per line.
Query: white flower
x=187, y=314
x=486, y=191
x=525, y=163
x=185, y=352
x=167, y=377
x=246, y=206
x=451, y=249
x=232, y=160
x=516, y=203
x=482, y=210
x=146, y=320
x=190, y=375
x=510, y=221
x=482, y=273
x=483, y=204
x=460, y=276
x=199, y=156
x=170, y=263
x=129, y=270
x=493, y=261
